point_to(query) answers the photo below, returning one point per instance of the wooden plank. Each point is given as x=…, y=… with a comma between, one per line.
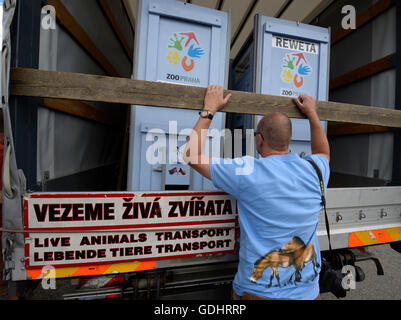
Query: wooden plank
x=367, y=16
x=363, y=72
x=84, y=87
x=81, y=110
x=352, y=129
x=113, y=22
x=75, y=29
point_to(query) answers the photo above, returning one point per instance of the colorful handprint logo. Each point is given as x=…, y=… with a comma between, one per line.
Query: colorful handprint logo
x=177, y=50
x=295, y=69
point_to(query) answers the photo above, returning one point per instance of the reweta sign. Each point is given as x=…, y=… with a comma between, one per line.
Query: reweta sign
x=298, y=45
x=79, y=229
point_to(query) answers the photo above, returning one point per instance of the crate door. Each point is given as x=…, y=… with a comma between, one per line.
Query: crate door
x=292, y=59
x=182, y=44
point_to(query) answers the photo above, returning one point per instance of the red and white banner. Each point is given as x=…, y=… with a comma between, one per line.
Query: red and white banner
x=93, y=228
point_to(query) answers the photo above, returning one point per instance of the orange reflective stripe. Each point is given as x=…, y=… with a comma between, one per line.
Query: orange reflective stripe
x=91, y=271
x=97, y=270
x=380, y=236
x=148, y=265
x=130, y=267
x=395, y=233
x=34, y=274
x=354, y=241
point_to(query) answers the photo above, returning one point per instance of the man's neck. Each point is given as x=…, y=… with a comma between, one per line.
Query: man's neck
x=270, y=153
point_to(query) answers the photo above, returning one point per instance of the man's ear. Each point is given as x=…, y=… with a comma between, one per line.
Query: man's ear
x=259, y=141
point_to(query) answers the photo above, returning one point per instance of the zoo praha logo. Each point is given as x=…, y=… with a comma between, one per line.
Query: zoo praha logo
x=184, y=54
x=294, y=254
x=295, y=65
x=295, y=69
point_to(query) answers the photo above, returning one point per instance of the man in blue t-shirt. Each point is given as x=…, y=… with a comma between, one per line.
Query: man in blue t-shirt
x=279, y=202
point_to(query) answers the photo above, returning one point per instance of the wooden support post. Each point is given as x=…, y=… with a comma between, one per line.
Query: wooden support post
x=84, y=87
x=352, y=129
x=81, y=110
x=363, y=72
x=114, y=24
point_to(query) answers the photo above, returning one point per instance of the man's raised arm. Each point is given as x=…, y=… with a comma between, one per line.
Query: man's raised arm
x=320, y=144
x=193, y=154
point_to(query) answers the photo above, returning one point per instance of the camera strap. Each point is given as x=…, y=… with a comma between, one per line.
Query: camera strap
x=320, y=176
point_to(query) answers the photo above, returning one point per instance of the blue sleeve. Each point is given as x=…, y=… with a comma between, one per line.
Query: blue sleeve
x=324, y=166
x=226, y=175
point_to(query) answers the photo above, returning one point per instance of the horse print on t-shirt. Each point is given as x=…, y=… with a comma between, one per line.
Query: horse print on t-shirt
x=294, y=254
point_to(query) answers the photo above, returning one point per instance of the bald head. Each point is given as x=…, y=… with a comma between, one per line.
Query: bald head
x=276, y=130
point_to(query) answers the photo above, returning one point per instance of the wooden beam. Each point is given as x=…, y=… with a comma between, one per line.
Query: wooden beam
x=79, y=34
x=353, y=129
x=116, y=28
x=363, y=72
x=367, y=16
x=84, y=87
x=81, y=110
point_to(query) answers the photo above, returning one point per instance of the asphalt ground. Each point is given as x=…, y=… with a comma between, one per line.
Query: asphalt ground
x=374, y=287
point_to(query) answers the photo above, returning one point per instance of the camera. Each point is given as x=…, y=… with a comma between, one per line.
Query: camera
x=331, y=280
